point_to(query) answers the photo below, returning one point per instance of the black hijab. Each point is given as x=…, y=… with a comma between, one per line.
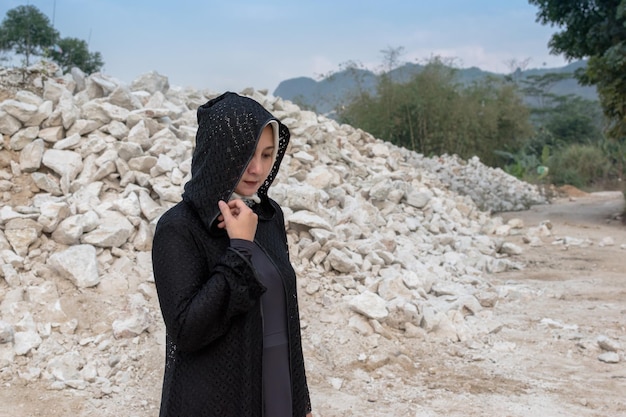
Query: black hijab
x=229, y=128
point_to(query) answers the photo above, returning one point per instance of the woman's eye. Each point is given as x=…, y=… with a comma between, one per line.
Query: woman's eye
x=267, y=155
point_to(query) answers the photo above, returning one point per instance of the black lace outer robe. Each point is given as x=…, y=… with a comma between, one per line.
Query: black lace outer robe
x=208, y=293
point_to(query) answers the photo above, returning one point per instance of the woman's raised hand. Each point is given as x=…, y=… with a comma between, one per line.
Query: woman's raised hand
x=238, y=219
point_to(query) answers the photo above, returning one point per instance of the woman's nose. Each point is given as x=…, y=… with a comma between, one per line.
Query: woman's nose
x=253, y=166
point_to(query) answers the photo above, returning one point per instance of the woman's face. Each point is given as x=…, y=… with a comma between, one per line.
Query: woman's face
x=259, y=167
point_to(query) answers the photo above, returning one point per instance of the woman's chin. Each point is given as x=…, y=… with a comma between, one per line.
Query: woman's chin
x=247, y=190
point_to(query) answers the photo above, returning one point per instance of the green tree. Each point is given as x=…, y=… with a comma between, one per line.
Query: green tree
x=595, y=30
x=385, y=87
x=434, y=96
x=574, y=119
x=26, y=31
x=538, y=87
x=73, y=52
x=433, y=113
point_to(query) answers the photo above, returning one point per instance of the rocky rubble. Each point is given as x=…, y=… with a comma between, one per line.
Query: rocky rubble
x=491, y=189
x=389, y=245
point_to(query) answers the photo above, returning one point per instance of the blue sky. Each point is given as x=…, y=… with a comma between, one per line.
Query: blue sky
x=231, y=45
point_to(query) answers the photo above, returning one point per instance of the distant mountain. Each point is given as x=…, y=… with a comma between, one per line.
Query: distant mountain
x=568, y=86
x=325, y=95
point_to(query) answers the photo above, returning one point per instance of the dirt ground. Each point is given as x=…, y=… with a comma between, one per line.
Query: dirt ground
x=568, y=297
x=546, y=361
x=542, y=360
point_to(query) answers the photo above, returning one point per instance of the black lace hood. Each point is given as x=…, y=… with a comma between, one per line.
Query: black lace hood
x=229, y=127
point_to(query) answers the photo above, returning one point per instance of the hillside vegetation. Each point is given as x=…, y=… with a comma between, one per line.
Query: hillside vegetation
x=328, y=92
x=540, y=125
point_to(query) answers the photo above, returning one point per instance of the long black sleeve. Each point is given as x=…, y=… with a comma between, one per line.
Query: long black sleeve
x=198, y=300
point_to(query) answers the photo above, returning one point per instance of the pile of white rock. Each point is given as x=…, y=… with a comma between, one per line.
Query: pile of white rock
x=378, y=236
x=492, y=189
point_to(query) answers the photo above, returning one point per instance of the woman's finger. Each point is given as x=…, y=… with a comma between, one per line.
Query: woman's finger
x=239, y=220
x=225, y=210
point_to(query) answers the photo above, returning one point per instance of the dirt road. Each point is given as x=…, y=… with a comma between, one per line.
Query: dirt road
x=572, y=291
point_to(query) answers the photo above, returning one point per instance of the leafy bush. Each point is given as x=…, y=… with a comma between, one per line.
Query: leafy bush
x=579, y=165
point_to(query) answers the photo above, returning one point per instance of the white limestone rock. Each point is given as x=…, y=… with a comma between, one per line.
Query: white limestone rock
x=137, y=320
x=23, y=137
x=113, y=231
x=25, y=341
x=608, y=344
x=65, y=163
x=370, y=305
x=20, y=110
x=78, y=264
x=21, y=233
x=609, y=357
x=52, y=213
x=308, y=219
x=47, y=183
x=6, y=332
x=8, y=124
x=151, y=82
x=31, y=156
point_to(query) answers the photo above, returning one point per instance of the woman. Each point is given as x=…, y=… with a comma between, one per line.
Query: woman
x=226, y=287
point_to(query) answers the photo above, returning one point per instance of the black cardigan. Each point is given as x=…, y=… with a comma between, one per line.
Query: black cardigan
x=210, y=301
